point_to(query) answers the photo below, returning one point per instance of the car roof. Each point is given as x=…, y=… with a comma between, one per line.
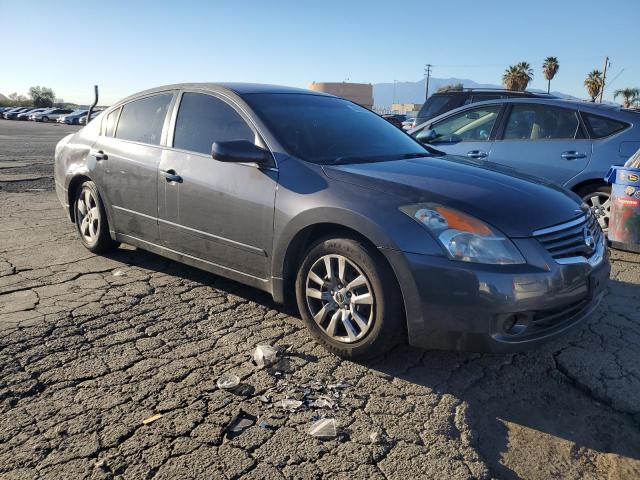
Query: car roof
x=236, y=88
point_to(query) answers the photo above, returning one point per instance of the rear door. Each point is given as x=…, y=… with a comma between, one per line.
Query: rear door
x=215, y=211
x=467, y=133
x=542, y=140
x=127, y=156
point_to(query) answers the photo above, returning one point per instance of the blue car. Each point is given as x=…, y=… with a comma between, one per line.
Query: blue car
x=569, y=143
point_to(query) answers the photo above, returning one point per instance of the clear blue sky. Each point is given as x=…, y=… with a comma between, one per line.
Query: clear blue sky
x=133, y=45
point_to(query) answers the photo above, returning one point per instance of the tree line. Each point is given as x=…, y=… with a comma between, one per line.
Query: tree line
x=37, y=97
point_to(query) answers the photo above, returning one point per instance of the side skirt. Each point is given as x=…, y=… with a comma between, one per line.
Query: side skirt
x=260, y=283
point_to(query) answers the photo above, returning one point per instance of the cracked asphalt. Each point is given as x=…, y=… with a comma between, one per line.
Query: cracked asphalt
x=90, y=346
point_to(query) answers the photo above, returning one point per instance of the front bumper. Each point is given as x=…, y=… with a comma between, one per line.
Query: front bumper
x=496, y=308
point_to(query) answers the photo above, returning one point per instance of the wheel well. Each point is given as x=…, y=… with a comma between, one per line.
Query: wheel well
x=593, y=183
x=305, y=238
x=71, y=192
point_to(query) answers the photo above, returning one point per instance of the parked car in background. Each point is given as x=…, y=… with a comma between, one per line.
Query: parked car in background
x=9, y=113
x=73, y=118
x=569, y=143
x=83, y=118
x=395, y=119
x=380, y=239
x=408, y=124
x=27, y=114
x=442, y=102
x=51, y=115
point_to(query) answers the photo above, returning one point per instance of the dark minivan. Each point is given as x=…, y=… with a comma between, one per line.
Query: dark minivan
x=441, y=102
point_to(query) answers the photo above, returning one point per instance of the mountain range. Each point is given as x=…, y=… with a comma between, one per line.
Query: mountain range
x=413, y=92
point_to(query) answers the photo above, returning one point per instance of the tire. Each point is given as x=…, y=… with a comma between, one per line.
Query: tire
x=91, y=223
x=339, y=294
x=598, y=197
x=45, y=119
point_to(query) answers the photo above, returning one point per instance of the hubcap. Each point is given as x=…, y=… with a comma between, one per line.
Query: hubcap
x=600, y=204
x=340, y=298
x=88, y=216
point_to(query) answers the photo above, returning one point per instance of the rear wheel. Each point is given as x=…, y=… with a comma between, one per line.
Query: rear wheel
x=349, y=298
x=598, y=198
x=91, y=220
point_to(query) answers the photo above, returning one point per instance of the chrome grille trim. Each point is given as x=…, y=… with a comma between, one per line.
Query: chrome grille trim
x=566, y=242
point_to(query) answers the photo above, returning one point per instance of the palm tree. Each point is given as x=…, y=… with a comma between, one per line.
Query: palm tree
x=526, y=74
x=550, y=67
x=630, y=95
x=593, y=84
x=517, y=77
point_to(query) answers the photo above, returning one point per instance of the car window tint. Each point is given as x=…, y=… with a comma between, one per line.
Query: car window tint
x=538, y=122
x=434, y=106
x=203, y=119
x=480, y=98
x=603, y=127
x=471, y=125
x=142, y=120
x=110, y=123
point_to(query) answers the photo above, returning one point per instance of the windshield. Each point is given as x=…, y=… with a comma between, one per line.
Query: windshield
x=329, y=130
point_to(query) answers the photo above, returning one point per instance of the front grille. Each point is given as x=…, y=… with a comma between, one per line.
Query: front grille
x=568, y=239
x=550, y=318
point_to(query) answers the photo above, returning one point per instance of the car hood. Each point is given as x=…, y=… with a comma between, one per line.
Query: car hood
x=515, y=203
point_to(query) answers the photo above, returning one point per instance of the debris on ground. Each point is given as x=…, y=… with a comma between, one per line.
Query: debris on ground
x=290, y=404
x=323, y=402
x=228, y=381
x=101, y=464
x=323, y=428
x=118, y=273
x=265, y=356
x=239, y=424
x=152, y=419
x=375, y=437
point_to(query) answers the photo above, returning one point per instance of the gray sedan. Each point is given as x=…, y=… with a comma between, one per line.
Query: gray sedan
x=312, y=198
x=570, y=143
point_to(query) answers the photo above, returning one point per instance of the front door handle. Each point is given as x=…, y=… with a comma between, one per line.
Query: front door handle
x=171, y=176
x=477, y=154
x=99, y=155
x=572, y=155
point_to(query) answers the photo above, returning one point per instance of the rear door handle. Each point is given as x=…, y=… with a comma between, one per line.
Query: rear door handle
x=171, y=176
x=572, y=155
x=477, y=154
x=99, y=154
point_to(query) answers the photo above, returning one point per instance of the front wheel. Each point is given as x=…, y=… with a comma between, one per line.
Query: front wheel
x=45, y=119
x=598, y=198
x=91, y=220
x=349, y=298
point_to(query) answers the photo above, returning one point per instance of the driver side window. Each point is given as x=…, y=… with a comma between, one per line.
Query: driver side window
x=473, y=125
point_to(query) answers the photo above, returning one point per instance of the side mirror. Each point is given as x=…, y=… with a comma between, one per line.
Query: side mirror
x=427, y=135
x=239, y=151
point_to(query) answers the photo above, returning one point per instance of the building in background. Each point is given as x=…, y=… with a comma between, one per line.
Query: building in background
x=360, y=93
x=405, y=107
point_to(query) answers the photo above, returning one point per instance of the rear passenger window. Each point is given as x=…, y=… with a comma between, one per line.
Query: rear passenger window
x=142, y=120
x=110, y=123
x=204, y=119
x=603, y=127
x=537, y=122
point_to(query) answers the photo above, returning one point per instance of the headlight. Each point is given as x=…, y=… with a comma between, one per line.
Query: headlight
x=464, y=237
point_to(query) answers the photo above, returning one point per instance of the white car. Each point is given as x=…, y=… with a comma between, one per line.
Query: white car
x=51, y=115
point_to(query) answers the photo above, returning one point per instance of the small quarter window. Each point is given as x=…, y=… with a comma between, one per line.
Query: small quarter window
x=603, y=127
x=110, y=123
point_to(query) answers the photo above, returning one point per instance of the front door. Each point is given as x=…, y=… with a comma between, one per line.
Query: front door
x=215, y=211
x=467, y=133
x=127, y=157
x=545, y=141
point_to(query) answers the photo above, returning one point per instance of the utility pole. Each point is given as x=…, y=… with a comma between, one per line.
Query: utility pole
x=604, y=77
x=427, y=72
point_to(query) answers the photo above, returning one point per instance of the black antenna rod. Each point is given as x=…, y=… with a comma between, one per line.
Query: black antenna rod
x=95, y=102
